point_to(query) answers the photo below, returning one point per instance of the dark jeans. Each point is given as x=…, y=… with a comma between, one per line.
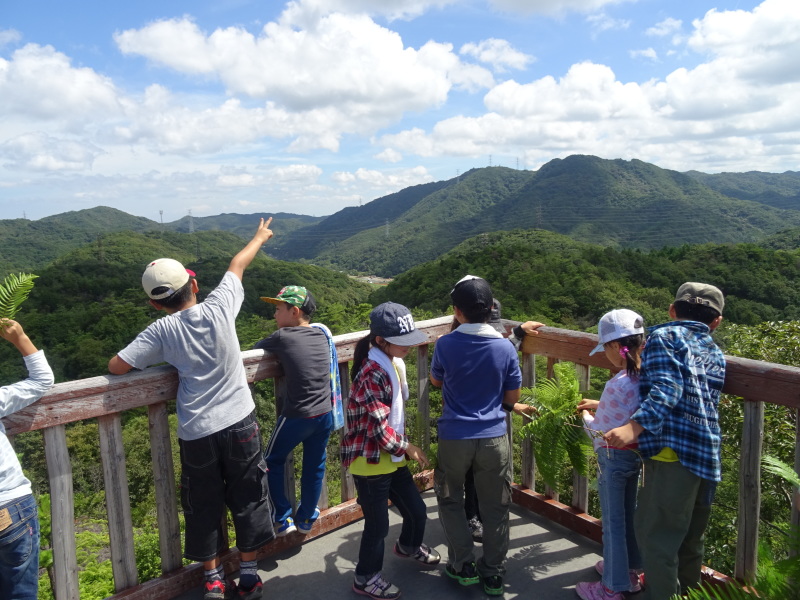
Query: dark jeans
x=225, y=468
x=374, y=492
x=19, y=550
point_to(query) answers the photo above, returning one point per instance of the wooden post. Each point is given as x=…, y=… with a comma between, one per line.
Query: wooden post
x=749, y=491
x=528, y=474
x=169, y=532
x=551, y=373
x=580, y=483
x=62, y=514
x=118, y=504
x=348, y=485
x=795, y=520
x=424, y=398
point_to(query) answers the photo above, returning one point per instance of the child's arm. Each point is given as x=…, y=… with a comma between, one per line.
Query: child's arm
x=246, y=255
x=40, y=375
x=13, y=332
x=117, y=366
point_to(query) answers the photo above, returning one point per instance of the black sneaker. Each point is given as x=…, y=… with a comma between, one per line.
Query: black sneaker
x=254, y=593
x=476, y=529
x=468, y=575
x=493, y=585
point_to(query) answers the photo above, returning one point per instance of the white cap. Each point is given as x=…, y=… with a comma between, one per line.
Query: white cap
x=618, y=324
x=164, y=273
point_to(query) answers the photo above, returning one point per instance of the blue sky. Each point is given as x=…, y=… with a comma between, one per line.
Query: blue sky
x=313, y=105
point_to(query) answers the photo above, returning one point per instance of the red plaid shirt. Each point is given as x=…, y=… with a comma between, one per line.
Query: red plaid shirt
x=368, y=406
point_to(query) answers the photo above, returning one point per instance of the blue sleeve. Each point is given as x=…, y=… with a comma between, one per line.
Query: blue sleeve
x=437, y=369
x=661, y=384
x=513, y=380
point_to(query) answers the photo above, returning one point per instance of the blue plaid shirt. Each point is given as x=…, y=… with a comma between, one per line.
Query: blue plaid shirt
x=682, y=375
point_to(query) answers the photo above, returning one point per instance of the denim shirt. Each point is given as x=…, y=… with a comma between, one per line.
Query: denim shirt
x=682, y=375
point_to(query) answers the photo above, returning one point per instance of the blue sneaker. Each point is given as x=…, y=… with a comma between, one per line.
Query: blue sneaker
x=304, y=527
x=284, y=528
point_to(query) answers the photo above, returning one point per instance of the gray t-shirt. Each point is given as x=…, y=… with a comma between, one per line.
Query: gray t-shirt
x=304, y=355
x=201, y=343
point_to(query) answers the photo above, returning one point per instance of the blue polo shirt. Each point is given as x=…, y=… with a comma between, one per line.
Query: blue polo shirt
x=476, y=372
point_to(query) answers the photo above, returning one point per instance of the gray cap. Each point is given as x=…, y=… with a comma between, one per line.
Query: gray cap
x=701, y=293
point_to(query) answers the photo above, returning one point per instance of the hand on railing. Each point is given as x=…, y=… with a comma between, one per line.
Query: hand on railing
x=415, y=453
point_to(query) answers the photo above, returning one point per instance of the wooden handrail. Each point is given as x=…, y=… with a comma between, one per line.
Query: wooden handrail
x=107, y=397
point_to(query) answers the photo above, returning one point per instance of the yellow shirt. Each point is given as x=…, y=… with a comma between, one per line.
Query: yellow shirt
x=667, y=454
x=360, y=466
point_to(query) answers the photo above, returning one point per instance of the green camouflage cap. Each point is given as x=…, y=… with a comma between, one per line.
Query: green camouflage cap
x=296, y=295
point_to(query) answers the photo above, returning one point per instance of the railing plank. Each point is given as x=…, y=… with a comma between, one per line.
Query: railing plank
x=749, y=491
x=118, y=504
x=62, y=513
x=169, y=540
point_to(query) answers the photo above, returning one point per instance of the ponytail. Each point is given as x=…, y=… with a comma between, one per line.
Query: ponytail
x=630, y=348
x=360, y=354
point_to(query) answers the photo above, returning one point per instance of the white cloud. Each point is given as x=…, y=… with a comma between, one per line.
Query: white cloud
x=498, y=53
x=308, y=10
x=553, y=7
x=239, y=180
x=648, y=53
x=41, y=152
x=9, y=36
x=664, y=28
x=602, y=22
x=40, y=83
x=389, y=155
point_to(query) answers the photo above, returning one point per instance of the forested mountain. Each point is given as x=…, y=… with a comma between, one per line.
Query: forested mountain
x=781, y=190
x=89, y=303
x=550, y=277
x=29, y=245
x=608, y=202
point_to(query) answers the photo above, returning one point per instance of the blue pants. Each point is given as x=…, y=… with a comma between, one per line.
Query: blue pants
x=19, y=550
x=618, y=478
x=313, y=433
x=374, y=492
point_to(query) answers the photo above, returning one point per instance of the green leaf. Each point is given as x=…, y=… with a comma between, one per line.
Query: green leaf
x=13, y=292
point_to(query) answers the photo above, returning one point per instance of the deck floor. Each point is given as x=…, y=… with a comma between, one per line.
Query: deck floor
x=545, y=560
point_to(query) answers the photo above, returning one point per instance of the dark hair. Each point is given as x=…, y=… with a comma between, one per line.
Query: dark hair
x=690, y=311
x=633, y=358
x=360, y=354
x=181, y=296
x=476, y=314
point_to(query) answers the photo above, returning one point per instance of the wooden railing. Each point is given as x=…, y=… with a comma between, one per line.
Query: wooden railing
x=107, y=398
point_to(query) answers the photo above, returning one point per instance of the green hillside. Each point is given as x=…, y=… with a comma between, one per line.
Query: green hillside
x=781, y=190
x=312, y=241
x=545, y=276
x=88, y=304
x=609, y=202
x=244, y=225
x=28, y=245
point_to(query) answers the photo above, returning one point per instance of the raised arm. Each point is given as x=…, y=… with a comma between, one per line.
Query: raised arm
x=243, y=259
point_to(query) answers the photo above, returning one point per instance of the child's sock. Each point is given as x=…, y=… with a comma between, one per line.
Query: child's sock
x=216, y=574
x=248, y=574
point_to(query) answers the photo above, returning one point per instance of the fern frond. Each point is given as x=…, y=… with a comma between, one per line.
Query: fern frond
x=13, y=292
x=777, y=467
x=556, y=431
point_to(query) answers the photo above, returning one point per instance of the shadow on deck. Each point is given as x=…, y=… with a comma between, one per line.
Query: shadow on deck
x=544, y=559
